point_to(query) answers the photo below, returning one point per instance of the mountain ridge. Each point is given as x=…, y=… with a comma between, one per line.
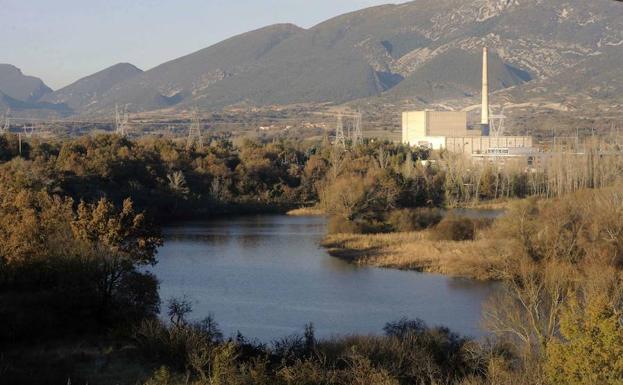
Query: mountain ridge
x=15, y=84
x=86, y=90
x=425, y=50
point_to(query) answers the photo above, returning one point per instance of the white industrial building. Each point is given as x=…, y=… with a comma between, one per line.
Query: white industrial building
x=449, y=130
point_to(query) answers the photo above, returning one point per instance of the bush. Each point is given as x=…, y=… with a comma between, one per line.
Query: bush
x=413, y=219
x=483, y=223
x=455, y=229
x=409, y=351
x=340, y=225
x=181, y=345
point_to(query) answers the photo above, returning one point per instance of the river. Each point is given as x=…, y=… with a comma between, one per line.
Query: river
x=267, y=277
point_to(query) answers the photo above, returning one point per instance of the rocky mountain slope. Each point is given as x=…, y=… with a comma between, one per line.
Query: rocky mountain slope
x=16, y=85
x=87, y=91
x=424, y=51
x=22, y=93
x=428, y=50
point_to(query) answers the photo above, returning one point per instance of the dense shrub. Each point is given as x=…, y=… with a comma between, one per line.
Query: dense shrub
x=73, y=270
x=409, y=353
x=483, y=223
x=414, y=219
x=340, y=225
x=454, y=229
x=180, y=345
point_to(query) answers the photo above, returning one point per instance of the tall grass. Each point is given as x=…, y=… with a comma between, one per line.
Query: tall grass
x=478, y=258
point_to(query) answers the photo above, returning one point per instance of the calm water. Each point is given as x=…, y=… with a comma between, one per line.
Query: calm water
x=267, y=277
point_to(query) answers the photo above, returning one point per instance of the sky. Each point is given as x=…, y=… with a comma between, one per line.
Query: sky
x=61, y=41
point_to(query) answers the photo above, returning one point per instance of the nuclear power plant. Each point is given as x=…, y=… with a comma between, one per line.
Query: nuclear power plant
x=449, y=130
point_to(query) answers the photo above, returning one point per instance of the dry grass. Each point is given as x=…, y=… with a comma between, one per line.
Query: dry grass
x=306, y=212
x=477, y=259
x=495, y=204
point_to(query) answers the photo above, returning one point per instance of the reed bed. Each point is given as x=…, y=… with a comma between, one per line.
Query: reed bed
x=306, y=212
x=479, y=259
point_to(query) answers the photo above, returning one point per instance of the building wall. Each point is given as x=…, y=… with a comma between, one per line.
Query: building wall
x=432, y=142
x=480, y=145
x=417, y=125
x=446, y=123
x=448, y=130
x=413, y=126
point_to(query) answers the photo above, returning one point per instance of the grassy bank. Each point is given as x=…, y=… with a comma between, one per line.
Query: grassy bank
x=416, y=251
x=306, y=212
x=495, y=204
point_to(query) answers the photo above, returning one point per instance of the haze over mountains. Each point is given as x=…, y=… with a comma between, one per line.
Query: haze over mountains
x=425, y=51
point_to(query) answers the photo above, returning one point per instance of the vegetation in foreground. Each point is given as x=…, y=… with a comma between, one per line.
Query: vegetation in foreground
x=75, y=304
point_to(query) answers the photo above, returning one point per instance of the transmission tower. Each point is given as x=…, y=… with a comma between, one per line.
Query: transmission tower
x=194, y=132
x=614, y=133
x=340, y=139
x=5, y=123
x=29, y=130
x=496, y=124
x=121, y=121
x=325, y=137
x=357, y=135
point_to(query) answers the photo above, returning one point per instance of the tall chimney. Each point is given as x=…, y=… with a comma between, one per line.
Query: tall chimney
x=485, y=93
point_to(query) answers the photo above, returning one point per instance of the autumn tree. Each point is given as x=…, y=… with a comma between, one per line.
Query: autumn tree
x=116, y=242
x=590, y=347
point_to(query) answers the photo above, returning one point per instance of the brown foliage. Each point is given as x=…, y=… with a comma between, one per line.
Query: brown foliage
x=454, y=229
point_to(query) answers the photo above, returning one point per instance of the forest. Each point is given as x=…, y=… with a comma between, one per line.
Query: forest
x=80, y=218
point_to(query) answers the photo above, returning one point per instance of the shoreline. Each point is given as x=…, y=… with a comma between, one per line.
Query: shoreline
x=476, y=259
x=306, y=212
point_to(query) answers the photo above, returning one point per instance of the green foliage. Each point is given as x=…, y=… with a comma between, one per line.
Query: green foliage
x=590, y=347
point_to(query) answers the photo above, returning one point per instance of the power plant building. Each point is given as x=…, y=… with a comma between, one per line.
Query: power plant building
x=449, y=130
x=431, y=128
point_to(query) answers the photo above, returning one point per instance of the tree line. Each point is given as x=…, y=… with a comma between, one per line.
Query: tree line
x=79, y=220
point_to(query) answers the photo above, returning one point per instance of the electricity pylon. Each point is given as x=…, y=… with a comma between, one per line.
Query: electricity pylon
x=357, y=137
x=29, y=130
x=121, y=121
x=340, y=139
x=5, y=122
x=194, y=132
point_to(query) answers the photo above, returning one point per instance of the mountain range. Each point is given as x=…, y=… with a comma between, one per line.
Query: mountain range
x=424, y=52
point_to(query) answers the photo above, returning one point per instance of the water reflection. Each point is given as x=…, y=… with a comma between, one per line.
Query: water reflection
x=267, y=277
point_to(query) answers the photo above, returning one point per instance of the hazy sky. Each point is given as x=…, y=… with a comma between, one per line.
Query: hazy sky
x=61, y=41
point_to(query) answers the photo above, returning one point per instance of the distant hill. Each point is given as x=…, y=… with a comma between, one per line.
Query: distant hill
x=457, y=73
x=19, y=107
x=87, y=91
x=16, y=85
x=424, y=51
x=192, y=76
x=428, y=50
